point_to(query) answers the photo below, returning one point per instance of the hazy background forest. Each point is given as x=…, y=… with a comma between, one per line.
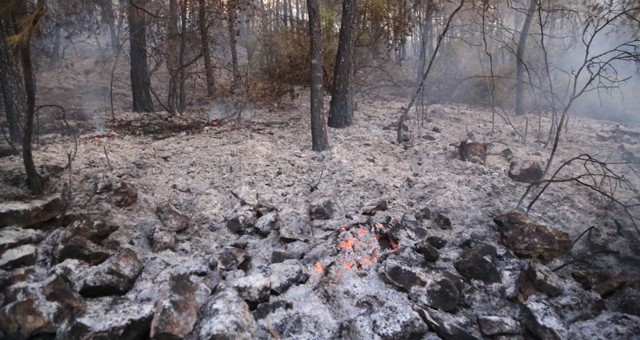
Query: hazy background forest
x=547, y=58
x=203, y=51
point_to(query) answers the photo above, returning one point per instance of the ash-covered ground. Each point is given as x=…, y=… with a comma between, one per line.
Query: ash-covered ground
x=178, y=227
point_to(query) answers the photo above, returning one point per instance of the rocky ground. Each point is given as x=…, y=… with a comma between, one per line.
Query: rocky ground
x=185, y=227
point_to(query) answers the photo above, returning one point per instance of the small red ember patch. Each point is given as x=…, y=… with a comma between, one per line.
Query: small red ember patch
x=318, y=267
x=361, y=244
x=348, y=244
x=384, y=237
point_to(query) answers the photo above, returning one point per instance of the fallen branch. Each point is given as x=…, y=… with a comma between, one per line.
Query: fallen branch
x=107, y=156
x=606, y=174
x=590, y=256
x=314, y=187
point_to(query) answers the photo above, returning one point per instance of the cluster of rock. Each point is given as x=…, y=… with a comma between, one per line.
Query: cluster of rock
x=530, y=302
x=524, y=171
x=284, y=275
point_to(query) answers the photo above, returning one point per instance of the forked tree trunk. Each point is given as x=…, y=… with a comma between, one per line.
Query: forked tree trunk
x=341, y=107
x=140, y=83
x=318, y=130
x=520, y=68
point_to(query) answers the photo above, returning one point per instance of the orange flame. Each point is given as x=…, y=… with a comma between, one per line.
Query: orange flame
x=348, y=243
x=318, y=267
x=362, y=231
x=349, y=265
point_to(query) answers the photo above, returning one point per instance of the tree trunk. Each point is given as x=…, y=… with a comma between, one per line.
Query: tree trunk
x=426, y=46
x=242, y=22
x=110, y=18
x=285, y=13
x=520, y=68
x=182, y=74
x=206, y=49
x=172, y=56
x=140, y=83
x=11, y=81
x=232, y=18
x=57, y=37
x=341, y=108
x=34, y=181
x=318, y=130
x=277, y=15
x=298, y=16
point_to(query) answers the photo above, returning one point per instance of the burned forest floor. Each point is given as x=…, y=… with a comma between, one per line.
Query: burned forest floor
x=186, y=227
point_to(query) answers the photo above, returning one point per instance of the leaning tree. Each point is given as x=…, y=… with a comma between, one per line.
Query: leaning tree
x=22, y=41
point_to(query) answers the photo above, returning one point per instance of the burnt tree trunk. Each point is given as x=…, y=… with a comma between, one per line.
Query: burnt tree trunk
x=206, y=49
x=520, y=67
x=140, y=83
x=318, y=130
x=341, y=107
x=11, y=81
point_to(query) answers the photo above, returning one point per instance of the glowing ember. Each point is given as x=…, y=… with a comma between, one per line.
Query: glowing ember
x=386, y=239
x=318, y=267
x=97, y=138
x=366, y=260
x=348, y=244
x=361, y=244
